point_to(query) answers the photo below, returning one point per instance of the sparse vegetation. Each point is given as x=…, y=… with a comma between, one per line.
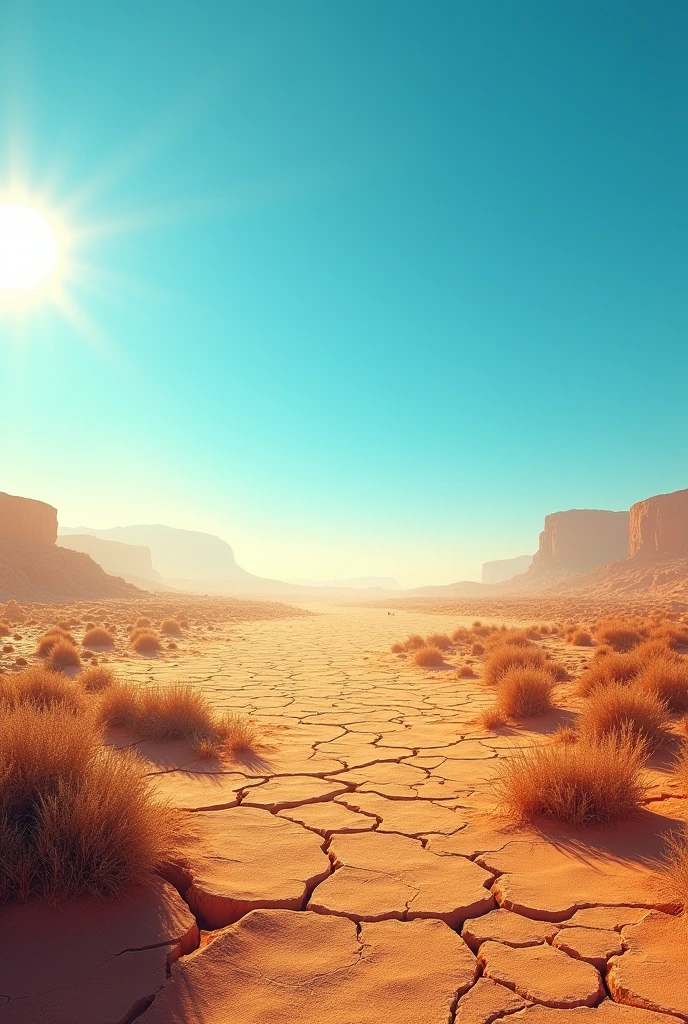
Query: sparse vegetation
x=618, y=634
x=606, y=669
x=441, y=640
x=667, y=677
x=508, y=656
x=676, y=871
x=170, y=627
x=98, y=636
x=466, y=672
x=63, y=655
x=591, y=782
x=524, y=691
x=96, y=678
x=145, y=642
x=581, y=638
x=414, y=642
x=617, y=707
x=492, y=718
x=428, y=657
x=41, y=688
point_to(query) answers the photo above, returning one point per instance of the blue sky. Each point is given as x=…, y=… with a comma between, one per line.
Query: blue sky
x=364, y=288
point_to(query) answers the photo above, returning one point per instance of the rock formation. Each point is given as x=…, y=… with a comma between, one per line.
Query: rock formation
x=26, y=520
x=505, y=568
x=126, y=560
x=581, y=539
x=659, y=526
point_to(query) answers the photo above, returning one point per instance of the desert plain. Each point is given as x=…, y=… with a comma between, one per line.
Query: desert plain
x=353, y=862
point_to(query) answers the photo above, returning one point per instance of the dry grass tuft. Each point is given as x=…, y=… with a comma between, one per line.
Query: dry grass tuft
x=53, y=637
x=524, y=691
x=441, y=640
x=477, y=650
x=63, y=655
x=614, y=708
x=461, y=635
x=618, y=634
x=119, y=705
x=143, y=623
x=508, y=656
x=581, y=638
x=606, y=669
x=584, y=783
x=96, y=678
x=42, y=688
x=170, y=627
x=667, y=677
x=414, y=642
x=397, y=648
x=676, y=871
x=492, y=718
x=174, y=712
x=145, y=642
x=429, y=657
x=77, y=819
x=565, y=734
x=466, y=672
x=97, y=636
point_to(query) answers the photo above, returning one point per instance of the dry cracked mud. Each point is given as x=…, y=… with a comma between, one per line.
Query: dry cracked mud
x=354, y=868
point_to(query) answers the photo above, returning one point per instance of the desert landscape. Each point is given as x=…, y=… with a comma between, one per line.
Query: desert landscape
x=343, y=512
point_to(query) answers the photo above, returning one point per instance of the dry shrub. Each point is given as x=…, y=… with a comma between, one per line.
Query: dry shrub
x=620, y=635
x=492, y=718
x=97, y=636
x=510, y=638
x=461, y=635
x=614, y=708
x=667, y=677
x=53, y=637
x=170, y=627
x=477, y=650
x=143, y=622
x=592, y=782
x=524, y=691
x=466, y=672
x=413, y=643
x=441, y=640
x=428, y=657
x=676, y=871
x=397, y=648
x=565, y=734
x=581, y=638
x=174, y=712
x=77, y=819
x=63, y=655
x=606, y=669
x=42, y=688
x=508, y=656
x=119, y=705
x=237, y=731
x=145, y=642
x=96, y=678
x=673, y=636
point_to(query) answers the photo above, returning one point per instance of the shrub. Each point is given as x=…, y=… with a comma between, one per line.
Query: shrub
x=607, y=669
x=97, y=636
x=53, y=637
x=96, y=678
x=42, y=688
x=581, y=638
x=428, y=657
x=477, y=650
x=413, y=643
x=145, y=642
x=119, y=705
x=77, y=819
x=614, y=708
x=667, y=677
x=466, y=672
x=397, y=648
x=461, y=635
x=509, y=638
x=170, y=627
x=507, y=657
x=676, y=871
x=592, y=782
x=174, y=712
x=565, y=734
x=440, y=640
x=143, y=622
x=524, y=691
x=618, y=634
x=492, y=718
x=63, y=655
x=237, y=731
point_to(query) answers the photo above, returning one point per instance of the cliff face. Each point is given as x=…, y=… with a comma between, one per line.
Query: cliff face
x=659, y=526
x=26, y=520
x=505, y=568
x=581, y=539
x=116, y=558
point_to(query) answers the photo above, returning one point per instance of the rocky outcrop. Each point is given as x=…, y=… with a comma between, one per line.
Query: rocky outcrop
x=26, y=520
x=659, y=526
x=505, y=568
x=42, y=572
x=126, y=560
x=581, y=539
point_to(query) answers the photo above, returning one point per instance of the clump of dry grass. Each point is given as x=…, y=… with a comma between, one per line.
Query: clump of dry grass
x=606, y=669
x=466, y=672
x=170, y=627
x=581, y=638
x=53, y=637
x=591, y=782
x=97, y=636
x=428, y=657
x=477, y=650
x=667, y=677
x=508, y=656
x=397, y=648
x=616, y=707
x=565, y=734
x=414, y=642
x=441, y=640
x=143, y=622
x=63, y=655
x=461, y=635
x=676, y=870
x=42, y=688
x=145, y=642
x=77, y=819
x=619, y=634
x=524, y=691
x=96, y=678
x=492, y=718
x=119, y=705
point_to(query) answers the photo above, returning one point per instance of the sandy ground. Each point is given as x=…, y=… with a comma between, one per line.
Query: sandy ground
x=354, y=868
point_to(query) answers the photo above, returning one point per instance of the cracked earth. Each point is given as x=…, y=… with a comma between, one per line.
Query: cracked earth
x=354, y=869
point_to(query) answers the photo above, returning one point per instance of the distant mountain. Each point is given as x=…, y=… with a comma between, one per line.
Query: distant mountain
x=357, y=583
x=176, y=554
x=505, y=568
x=124, y=560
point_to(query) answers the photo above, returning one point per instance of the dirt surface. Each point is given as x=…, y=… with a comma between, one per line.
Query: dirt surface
x=354, y=867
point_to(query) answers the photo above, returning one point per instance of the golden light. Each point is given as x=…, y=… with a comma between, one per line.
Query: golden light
x=29, y=251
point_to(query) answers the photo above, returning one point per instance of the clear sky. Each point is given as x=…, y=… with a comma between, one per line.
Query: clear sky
x=366, y=288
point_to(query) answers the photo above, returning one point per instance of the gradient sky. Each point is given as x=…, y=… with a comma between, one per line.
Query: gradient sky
x=374, y=285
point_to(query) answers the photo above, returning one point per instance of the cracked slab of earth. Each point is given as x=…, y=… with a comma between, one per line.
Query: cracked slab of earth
x=354, y=868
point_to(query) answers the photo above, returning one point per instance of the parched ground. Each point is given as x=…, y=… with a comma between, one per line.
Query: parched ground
x=354, y=868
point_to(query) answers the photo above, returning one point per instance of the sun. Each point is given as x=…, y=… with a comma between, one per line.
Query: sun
x=29, y=251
